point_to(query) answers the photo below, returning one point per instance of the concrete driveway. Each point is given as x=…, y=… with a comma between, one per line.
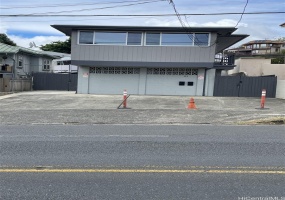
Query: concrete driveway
x=57, y=107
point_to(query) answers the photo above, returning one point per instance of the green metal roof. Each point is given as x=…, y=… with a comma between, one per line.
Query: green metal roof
x=5, y=48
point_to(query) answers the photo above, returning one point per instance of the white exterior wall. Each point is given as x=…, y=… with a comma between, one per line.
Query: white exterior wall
x=200, y=82
x=274, y=69
x=210, y=82
x=258, y=67
x=83, y=80
x=143, y=83
x=280, y=90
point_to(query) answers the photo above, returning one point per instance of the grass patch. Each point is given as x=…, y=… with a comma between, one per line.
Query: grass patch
x=267, y=121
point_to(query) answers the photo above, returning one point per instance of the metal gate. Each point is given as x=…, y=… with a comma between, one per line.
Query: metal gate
x=243, y=86
x=51, y=81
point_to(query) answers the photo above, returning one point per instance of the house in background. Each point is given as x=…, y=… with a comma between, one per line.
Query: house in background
x=255, y=59
x=259, y=48
x=149, y=60
x=19, y=62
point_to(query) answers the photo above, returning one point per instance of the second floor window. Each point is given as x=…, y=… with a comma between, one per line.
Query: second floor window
x=134, y=38
x=46, y=65
x=140, y=38
x=20, y=64
x=86, y=37
x=110, y=38
x=152, y=39
x=201, y=39
x=177, y=39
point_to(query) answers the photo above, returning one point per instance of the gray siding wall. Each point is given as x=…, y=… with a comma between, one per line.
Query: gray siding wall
x=142, y=53
x=34, y=64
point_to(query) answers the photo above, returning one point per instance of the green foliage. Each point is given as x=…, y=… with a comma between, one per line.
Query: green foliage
x=4, y=39
x=279, y=59
x=62, y=47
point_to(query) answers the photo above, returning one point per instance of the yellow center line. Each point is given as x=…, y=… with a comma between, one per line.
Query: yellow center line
x=209, y=171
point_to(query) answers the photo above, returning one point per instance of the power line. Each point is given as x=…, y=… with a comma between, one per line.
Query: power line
x=142, y=15
x=189, y=34
x=242, y=13
x=69, y=5
x=76, y=19
x=89, y=9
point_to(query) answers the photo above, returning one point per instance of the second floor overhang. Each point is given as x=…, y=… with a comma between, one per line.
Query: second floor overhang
x=224, y=62
x=226, y=41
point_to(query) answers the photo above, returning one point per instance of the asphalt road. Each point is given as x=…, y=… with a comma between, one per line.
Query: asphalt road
x=141, y=162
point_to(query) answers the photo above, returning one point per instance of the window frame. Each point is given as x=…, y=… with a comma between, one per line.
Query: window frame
x=208, y=42
x=78, y=38
x=193, y=41
x=144, y=37
x=141, y=44
x=46, y=62
x=20, y=61
x=192, y=45
x=152, y=33
x=94, y=39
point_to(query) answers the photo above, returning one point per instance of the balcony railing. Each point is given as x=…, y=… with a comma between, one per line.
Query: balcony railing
x=225, y=59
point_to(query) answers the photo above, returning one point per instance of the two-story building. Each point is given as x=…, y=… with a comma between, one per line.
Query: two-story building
x=149, y=60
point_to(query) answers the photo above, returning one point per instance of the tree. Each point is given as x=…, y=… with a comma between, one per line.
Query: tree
x=62, y=47
x=4, y=39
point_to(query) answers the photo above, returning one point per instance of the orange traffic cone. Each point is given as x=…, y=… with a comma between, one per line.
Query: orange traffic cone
x=191, y=104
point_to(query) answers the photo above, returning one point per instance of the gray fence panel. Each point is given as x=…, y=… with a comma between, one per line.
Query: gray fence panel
x=224, y=86
x=242, y=86
x=51, y=81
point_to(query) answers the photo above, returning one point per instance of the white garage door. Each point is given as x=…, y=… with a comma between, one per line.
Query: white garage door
x=113, y=80
x=171, y=81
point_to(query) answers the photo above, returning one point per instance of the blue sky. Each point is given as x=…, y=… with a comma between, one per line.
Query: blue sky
x=24, y=30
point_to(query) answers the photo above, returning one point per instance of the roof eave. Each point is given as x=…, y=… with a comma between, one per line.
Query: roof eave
x=67, y=29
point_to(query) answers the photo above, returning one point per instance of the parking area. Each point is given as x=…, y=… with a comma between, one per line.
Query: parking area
x=57, y=107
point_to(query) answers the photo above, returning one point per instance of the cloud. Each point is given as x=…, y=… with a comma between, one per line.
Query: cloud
x=225, y=23
x=38, y=40
x=187, y=22
x=32, y=27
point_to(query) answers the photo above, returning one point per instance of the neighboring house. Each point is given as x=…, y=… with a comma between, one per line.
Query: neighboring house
x=19, y=62
x=282, y=25
x=259, y=48
x=63, y=65
x=149, y=60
